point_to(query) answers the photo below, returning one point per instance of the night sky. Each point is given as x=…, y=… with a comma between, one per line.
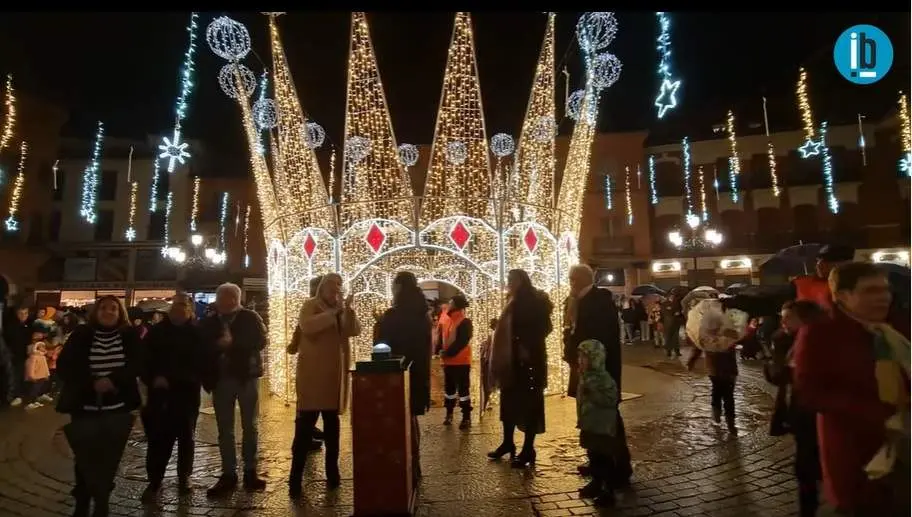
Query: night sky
x=123, y=68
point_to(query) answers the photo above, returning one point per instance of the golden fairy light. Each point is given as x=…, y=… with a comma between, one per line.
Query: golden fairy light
x=627, y=194
x=704, y=209
x=194, y=207
x=734, y=161
x=12, y=223
x=332, y=174
x=246, y=236
x=9, y=122
x=130, y=234
x=905, y=162
x=811, y=146
x=770, y=152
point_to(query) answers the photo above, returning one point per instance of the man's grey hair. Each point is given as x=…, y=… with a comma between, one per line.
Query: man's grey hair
x=582, y=269
x=228, y=286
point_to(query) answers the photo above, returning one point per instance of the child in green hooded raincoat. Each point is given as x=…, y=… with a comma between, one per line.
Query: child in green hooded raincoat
x=596, y=413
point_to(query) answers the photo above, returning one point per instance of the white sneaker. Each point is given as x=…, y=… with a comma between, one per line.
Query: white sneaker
x=16, y=402
x=45, y=399
x=34, y=405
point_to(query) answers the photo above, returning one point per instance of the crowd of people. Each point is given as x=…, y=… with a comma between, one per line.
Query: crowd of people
x=840, y=359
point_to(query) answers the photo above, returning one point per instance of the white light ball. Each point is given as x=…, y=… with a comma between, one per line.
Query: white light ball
x=456, y=152
x=264, y=114
x=544, y=129
x=228, y=80
x=357, y=148
x=502, y=145
x=606, y=70
x=314, y=135
x=228, y=38
x=595, y=31
x=575, y=104
x=408, y=154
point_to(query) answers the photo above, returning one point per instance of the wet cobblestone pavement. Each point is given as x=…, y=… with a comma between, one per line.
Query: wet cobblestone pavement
x=683, y=465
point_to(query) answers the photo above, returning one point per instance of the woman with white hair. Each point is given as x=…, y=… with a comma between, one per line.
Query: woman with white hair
x=327, y=321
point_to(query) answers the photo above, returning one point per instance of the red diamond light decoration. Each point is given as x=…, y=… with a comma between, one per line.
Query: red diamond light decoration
x=530, y=239
x=375, y=238
x=460, y=235
x=310, y=246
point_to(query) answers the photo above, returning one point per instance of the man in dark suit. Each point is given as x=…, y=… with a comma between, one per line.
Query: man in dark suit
x=593, y=315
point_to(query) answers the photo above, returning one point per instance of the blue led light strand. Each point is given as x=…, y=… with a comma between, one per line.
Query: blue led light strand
x=264, y=84
x=173, y=149
x=88, y=208
x=828, y=185
x=653, y=191
x=153, y=189
x=685, y=155
x=223, y=221
x=668, y=85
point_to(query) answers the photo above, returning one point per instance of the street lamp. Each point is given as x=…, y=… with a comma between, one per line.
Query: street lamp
x=695, y=238
x=197, y=251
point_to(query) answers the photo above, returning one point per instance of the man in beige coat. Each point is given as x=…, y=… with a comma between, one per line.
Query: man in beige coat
x=326, y=323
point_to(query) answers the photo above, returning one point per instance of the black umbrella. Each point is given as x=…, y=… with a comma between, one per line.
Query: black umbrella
x=98, y=443
x=760, y=300
x=793, y=261
x=646, y=290
x=900, y=278
x=735, y=288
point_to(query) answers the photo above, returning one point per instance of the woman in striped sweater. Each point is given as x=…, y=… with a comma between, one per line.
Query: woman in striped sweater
x=98, y=368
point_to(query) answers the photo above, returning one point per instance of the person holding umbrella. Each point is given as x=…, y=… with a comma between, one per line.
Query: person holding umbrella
x=99, y=367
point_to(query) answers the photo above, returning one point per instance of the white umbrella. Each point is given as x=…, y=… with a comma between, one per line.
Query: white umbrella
x=153, y=305
x=707, y=323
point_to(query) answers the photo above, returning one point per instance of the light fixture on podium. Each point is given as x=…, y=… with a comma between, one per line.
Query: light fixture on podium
x=196, y=252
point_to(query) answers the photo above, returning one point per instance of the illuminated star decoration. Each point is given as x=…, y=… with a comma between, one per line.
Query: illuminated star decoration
x=668, y=88
x=174, y=150
x=810, y=148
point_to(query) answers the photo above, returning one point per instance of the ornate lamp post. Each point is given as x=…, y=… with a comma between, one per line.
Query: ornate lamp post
x=695, y=238
x=197, y=251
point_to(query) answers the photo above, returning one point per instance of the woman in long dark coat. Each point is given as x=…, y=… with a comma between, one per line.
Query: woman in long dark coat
x=520, y=366
x=406, y=328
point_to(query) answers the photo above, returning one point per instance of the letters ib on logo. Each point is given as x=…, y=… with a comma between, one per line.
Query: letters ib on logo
x=863, y=54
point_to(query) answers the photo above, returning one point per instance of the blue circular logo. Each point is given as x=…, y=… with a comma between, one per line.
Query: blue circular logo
x=863, y=54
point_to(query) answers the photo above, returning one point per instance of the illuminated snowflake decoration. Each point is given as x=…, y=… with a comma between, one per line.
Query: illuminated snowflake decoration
x=905, y=164
x=544, y=129
x=575, y=104
x=174, y=150
x=228, y=39
x=314, y=135
x=228, y=80
x=357, y=148
x=595, y=31
x=264, y=114
x=408, y=154
x=456, y=152
x=606, y=70
x=502, y=145
x=130, y=234
x=12, y=225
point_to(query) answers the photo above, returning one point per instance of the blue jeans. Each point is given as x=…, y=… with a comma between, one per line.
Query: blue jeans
x=245, y=393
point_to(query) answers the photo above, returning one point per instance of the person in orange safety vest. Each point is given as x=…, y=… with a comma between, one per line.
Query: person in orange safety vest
x=456, y=355
x=816, y=288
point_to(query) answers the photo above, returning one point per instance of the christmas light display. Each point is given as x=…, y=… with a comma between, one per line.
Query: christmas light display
x=905, y=163
x=595, y=31
x=88, y=208
x=627, y=195
x=9, y=121
x=734, y=161
x=228, y=77
x=264, y=114
x=502, y=145
x=653, y=191
x=264, y=86
x=462, y=235
x=228, y=39
x=173, y=149
x=608, y=195
x=829, y=187
x=716, y=181
x=770, y=153
x=314, y=135
x=811, y=146
x=169, y=205
x=605, y=70
x=153, y=189
x=573, y=104
x=668, y=85
x=704, y=209
x=12, y=223
x=246, y=236
x=195, y=204
x=332, y=174
x=130, y=233
x=688, y=188
x=223, y=223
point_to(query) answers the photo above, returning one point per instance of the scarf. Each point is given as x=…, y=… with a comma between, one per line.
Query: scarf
x=502, y=349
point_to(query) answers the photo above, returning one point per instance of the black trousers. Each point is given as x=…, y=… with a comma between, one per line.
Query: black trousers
x=169, y=417
x=603, y=467
x=622, y=468
x=807, y=460
x=300, y=446
x=456, y=388
x=723, y=395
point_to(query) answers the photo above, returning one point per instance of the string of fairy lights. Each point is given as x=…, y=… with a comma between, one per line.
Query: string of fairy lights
x=173, y=149
x=734, y=161
x=905, y=128
x=12, y=221
x=90, y=179
x=9, y=120
x=130, y=233
x=668, y=85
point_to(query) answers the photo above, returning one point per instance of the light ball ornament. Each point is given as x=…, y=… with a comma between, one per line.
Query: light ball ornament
x=408, y=154
x=264, y=114
x=575, y=104
x=456, y=152
x=314, y=135
x=595, y=31
x=544, y=129
x=228, y=39
x=228, y=80
x=606, y=70
x=357, y=148
x=502, y=145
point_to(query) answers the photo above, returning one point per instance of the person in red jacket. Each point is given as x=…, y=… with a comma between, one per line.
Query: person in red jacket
x=456, y=353
x=834, y=374
x=815, y=288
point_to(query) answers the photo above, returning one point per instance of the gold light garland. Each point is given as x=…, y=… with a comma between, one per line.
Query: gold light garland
x=452, y=188
x=246, y=236
x=627, y=195
x=134, y=194
x=770, y=153
x=194, y=210
x=704, y=209
x=9, y=124
x=804, y=106
x=734, y=161
x=332, y=174
x=12, y=223
x=905, y=162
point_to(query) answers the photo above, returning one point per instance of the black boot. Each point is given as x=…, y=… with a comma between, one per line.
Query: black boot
x=730, y=423
x=101, y=507
x=466, y=408
x=448, y=420
x=592, y=489
x=295, y=478
x=82, y=507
